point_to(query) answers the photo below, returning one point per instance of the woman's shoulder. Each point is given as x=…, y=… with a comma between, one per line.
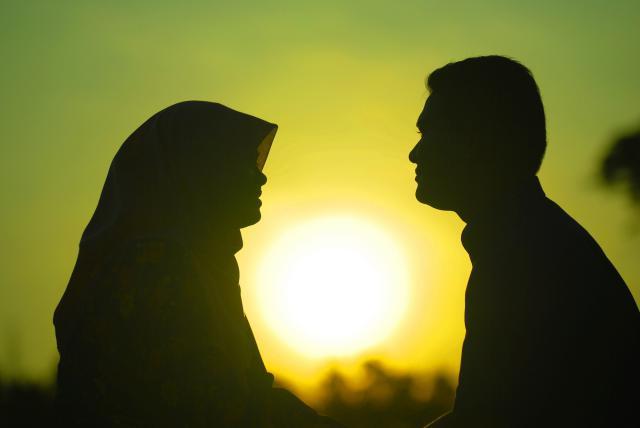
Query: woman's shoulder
x=143, y=271
x=149, y=255
x=153, y=250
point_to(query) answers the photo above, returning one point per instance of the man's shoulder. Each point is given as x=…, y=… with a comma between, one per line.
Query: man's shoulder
x=539, y=228
x=542, y=242
x=560, y=249
x=552, y=226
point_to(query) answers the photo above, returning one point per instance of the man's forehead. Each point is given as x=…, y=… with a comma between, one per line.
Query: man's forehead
x=420, y=121
x=427, y=112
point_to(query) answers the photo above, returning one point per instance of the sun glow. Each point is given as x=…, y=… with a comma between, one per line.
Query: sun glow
x=333, y=286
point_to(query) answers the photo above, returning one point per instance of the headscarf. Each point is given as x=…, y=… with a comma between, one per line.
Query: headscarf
x=155, y=188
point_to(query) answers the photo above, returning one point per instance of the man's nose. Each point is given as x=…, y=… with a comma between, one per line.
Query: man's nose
x=413, y=154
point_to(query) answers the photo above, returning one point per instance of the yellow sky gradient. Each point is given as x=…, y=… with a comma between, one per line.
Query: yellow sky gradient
x=345, y=83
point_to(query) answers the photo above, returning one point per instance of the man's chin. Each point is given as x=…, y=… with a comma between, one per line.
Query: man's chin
x=429, y=198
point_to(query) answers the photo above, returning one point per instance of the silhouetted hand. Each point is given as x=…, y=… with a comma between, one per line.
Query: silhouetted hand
x=327, y=422
x=444, y=421
x=289, y=410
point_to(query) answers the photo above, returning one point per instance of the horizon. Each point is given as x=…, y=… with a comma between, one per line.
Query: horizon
x=341, y=81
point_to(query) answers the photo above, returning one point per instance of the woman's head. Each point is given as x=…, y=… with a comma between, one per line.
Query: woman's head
x=216, y=157
x=193, y=167
x=191, y=173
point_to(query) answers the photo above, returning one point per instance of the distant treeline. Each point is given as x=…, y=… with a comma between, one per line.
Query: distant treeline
x=385, y=399
x=26, y=404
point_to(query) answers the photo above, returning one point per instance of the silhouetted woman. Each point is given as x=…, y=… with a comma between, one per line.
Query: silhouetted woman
x=151, y=329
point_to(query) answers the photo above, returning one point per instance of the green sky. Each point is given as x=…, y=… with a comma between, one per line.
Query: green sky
x=345, y=82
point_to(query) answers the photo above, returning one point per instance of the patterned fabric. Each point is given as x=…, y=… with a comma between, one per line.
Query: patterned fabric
x=150, y=329
x=160, y=350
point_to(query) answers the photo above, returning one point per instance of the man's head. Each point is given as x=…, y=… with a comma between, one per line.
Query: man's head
x=482, y=129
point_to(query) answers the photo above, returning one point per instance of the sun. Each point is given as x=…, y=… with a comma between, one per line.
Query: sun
x=333, y=286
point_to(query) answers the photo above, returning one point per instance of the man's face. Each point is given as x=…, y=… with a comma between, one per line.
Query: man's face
x=443, y=155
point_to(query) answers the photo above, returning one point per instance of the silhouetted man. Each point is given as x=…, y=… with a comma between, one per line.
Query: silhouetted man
x=552, y=330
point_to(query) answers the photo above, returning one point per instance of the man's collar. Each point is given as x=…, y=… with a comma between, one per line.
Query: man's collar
x=500, y=212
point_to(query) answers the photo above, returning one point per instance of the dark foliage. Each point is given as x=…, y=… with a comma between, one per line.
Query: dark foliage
x=387, y=399
x=621, y=165
x=24, y=404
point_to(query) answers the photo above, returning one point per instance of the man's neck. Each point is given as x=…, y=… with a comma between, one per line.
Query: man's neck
x=483, y=204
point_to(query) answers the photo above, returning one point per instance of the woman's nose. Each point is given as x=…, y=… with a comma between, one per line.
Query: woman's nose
x=262, y=179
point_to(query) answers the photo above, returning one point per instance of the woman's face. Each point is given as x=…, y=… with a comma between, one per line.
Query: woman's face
x=236, y=196
x=245, y=199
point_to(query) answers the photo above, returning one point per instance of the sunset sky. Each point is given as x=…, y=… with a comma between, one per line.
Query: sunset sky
x=345, y=82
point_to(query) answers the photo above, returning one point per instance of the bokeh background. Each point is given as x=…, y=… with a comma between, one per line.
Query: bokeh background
x=345, y=83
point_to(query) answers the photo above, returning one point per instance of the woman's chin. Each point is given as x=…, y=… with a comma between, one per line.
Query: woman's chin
x=250, y=217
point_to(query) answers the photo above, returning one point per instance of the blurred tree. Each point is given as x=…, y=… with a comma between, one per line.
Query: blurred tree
x=387, y=399
x=621, y=165
x=25, y=404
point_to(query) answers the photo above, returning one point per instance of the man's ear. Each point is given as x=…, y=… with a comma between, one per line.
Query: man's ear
x=468, y=150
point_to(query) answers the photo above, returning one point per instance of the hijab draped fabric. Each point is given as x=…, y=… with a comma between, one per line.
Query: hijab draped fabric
x=167, y=185
x=151, y=188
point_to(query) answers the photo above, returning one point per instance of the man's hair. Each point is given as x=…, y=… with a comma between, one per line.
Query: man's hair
x=498, y=99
